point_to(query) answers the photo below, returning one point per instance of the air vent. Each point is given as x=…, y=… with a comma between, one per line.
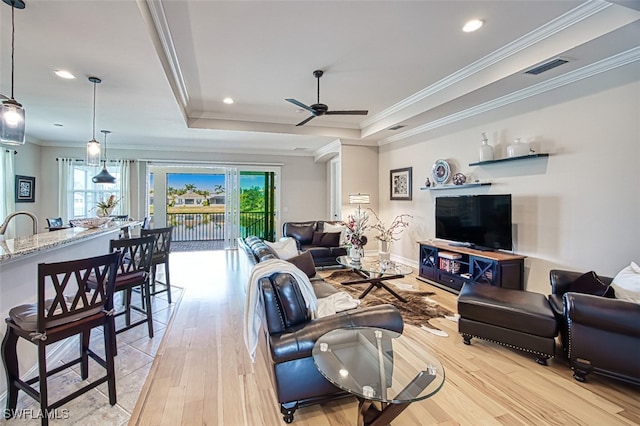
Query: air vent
x=396, y=127
x=546, y=66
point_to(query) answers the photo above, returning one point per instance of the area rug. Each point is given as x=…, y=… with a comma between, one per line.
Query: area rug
x=418, y=309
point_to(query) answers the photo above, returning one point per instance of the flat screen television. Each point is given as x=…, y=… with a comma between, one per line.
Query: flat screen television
x=479, y=221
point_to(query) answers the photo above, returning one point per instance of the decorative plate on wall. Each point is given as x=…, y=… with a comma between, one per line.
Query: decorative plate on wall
x=441, y=171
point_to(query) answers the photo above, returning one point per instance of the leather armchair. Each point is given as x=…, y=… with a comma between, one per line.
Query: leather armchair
x=600, y=334
x=603, y=337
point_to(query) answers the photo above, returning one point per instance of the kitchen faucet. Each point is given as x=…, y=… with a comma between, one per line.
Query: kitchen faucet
x=3, y=227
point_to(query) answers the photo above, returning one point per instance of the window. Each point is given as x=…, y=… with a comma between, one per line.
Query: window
x=86, y=194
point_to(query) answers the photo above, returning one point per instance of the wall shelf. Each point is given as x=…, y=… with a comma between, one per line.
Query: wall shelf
x=450, y=186
x=503, y=160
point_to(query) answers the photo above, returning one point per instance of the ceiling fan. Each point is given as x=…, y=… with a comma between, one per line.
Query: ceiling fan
x=319, y=109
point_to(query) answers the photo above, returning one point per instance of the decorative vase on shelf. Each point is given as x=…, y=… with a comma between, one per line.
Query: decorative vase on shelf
x=518, y=149
x=355, y=254
x=385, y=250
x=486, y=151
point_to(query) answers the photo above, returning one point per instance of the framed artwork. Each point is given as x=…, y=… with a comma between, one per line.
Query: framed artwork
x=400, y=184
x=25, y=189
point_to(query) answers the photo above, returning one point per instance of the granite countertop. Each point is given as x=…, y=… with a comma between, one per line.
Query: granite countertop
x=24, y=246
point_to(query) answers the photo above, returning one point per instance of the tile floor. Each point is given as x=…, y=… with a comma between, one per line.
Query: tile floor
x=135, y=356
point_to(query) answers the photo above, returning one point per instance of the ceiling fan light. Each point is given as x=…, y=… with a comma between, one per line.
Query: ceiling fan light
x=12, y=123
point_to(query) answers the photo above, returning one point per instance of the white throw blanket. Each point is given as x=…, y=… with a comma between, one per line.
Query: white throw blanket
x=254, y=304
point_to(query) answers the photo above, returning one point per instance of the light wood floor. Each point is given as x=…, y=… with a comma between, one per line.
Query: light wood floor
x=203, y=375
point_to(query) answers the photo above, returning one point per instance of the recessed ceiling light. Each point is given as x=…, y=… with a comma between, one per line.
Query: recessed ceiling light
x=227, y=101
x=472, y=25
x=64, y=74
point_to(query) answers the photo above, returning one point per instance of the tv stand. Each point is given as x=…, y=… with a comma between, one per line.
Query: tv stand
x=450, y=265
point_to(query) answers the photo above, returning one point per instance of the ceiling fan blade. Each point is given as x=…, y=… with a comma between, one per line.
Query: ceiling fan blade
x=305, y=121
x=354, y=112
x=301, y=105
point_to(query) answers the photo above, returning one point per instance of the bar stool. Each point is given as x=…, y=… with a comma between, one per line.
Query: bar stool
x=160, y=257
x=72, y=311
x=133, y=273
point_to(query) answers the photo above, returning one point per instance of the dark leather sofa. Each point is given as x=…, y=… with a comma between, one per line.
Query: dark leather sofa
x=599, y=334
x=289, y=334
x=303, y=233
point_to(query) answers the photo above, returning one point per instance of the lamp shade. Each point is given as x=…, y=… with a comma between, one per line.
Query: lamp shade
x=11, y=123
x=359, y=198
x=93, y=153
x=103, y=176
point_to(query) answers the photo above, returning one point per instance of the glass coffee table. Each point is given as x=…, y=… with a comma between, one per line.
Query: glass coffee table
x=374, y=272
x=384, y=370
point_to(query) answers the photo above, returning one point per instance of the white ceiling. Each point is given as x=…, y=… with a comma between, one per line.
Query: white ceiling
x=166, y=66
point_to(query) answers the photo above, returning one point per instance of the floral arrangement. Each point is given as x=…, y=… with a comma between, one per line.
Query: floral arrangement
x=357, y=224
x=392, y=232
x=106, y=207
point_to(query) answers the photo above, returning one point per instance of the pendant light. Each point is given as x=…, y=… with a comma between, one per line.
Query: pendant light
x=93, y=147
x=104, y=176
x=12, y=112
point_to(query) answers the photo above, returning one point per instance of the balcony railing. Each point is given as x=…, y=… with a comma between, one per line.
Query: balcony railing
x=210, y=226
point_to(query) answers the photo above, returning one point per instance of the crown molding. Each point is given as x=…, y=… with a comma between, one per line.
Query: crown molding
x=559, y=24
x=327, y=152
x=167, y=51
x=604, y=65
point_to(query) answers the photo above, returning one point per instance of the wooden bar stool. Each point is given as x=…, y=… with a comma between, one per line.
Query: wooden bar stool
x=72, y=311
x=133, y=273
x=160, y=257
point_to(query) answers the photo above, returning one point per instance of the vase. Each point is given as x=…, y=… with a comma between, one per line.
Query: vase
x=355, y=254
x=104, y=212
x=486, y=151
x=385, y=250
x=518, y=149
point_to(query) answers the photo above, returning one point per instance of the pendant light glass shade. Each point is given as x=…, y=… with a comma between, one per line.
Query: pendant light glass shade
x=93, y=147
x=104, y=176
x=12, y=122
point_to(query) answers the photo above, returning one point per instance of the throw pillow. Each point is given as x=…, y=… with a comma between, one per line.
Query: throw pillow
x=627, y=283
x=304, y=262
x=589, y=283
x=329, y=227
x=286, y=248
x=326, y=239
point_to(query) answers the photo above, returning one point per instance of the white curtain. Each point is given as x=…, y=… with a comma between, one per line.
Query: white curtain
x=65, y=187
x=125, y=186
x=232, y=208
x=7, y=188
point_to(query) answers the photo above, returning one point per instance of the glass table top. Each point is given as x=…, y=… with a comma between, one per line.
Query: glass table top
x=378, y=365
x=373, y=265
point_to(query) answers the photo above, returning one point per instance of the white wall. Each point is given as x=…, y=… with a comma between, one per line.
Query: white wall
x=579, y=209
x=26, y=163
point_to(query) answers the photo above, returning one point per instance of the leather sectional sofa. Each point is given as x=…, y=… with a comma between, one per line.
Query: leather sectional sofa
x=599, y=334
x=308, y=236
x=289, y=333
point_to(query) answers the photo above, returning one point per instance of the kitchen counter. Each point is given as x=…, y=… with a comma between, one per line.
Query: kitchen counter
x=26, y=246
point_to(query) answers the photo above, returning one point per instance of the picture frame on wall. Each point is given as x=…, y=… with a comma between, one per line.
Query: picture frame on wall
x=25, y=189
x=400, y=184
